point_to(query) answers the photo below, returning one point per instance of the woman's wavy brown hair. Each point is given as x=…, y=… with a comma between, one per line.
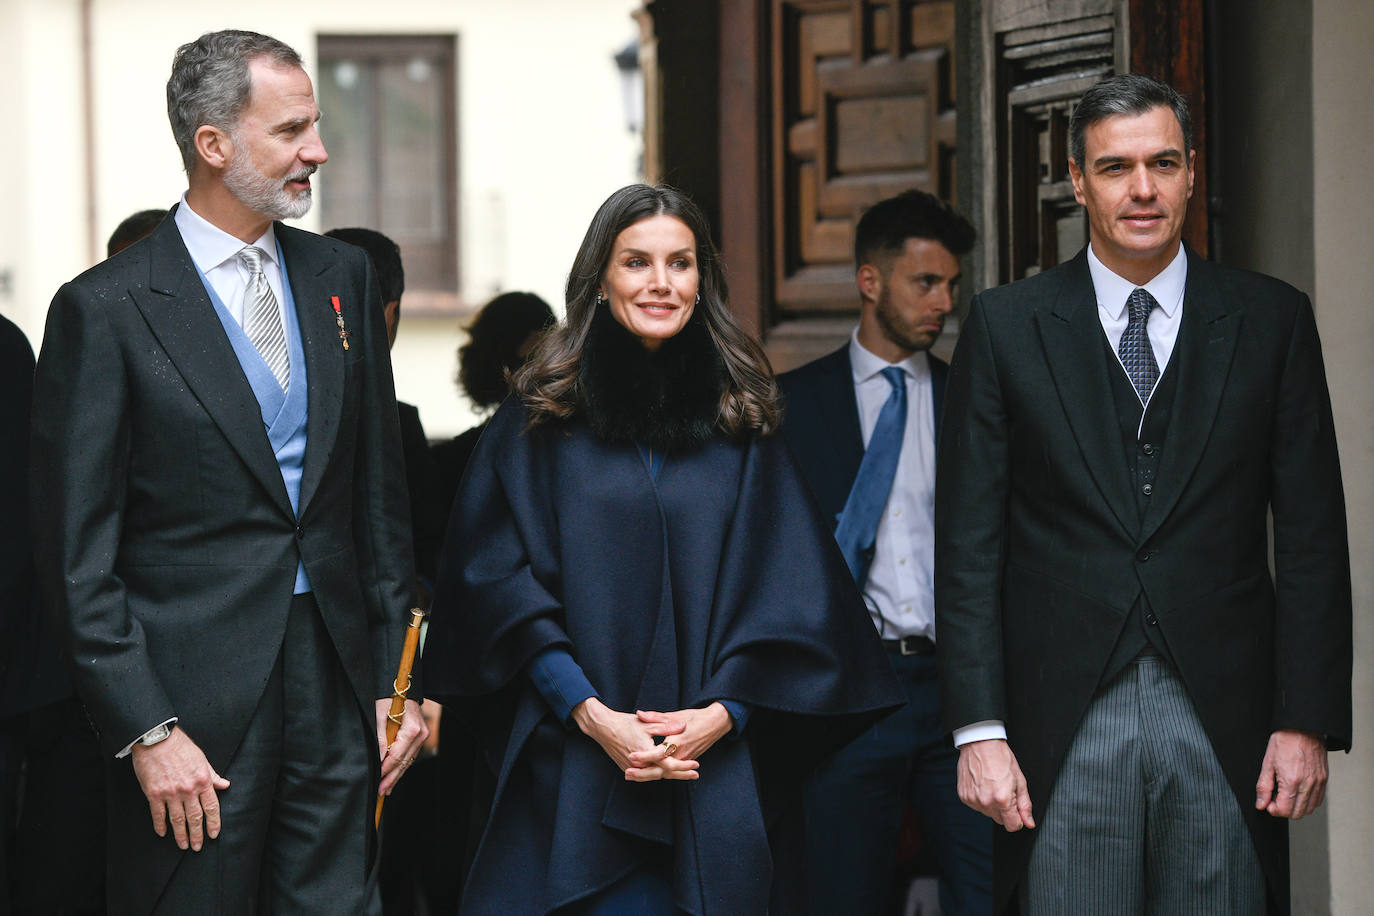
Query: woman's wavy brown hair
x=549, y=382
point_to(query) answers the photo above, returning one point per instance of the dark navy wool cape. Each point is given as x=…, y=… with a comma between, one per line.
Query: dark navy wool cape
x=717, y=580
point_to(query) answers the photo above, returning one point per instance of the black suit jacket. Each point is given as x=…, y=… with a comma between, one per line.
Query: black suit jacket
x=821, y=424
x=31, y=673
x=1041, y=550
x=165, y=539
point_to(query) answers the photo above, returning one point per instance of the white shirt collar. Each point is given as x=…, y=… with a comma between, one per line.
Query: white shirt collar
x=210, y=246
x=1113, y=290
x=865, y=365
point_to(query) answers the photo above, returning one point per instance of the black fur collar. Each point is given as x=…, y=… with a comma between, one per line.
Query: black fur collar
x=667, y=399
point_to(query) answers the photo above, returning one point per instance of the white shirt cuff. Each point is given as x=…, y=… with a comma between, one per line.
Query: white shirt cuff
x=128, y=748
x=986, y=730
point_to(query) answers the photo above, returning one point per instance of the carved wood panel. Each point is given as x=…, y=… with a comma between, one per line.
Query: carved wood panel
x=1042, y=70
x=862, y=107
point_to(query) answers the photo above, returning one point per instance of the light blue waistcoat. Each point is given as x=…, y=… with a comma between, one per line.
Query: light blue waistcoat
x=284, y=413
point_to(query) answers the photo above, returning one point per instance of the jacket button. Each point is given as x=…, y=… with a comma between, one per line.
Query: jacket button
x=1147, y=449
x=300, y=533
x=1143, y=556
x=1152, y=620
x=1147, y=489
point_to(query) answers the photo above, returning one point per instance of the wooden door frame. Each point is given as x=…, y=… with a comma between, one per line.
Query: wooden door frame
x=745, y=146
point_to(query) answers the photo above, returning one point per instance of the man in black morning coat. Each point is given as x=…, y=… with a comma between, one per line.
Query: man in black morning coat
x=220, y=516
x=1137, y=702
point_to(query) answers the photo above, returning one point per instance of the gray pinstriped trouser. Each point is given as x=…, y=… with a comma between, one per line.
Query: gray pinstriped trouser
x=1142, y=820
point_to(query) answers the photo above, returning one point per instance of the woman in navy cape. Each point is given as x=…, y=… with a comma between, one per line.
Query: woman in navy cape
x=640, y=609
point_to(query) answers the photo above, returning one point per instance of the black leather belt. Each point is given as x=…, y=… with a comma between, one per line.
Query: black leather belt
x=911, y=645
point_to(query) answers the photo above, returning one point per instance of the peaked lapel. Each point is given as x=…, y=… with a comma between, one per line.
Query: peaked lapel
x=1206, y=344
x=315, y=278
x=178, y=311
x=1071, y=334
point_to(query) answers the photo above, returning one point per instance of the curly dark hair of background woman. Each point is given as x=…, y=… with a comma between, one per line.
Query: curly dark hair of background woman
x=498, y=342
x=548, y=382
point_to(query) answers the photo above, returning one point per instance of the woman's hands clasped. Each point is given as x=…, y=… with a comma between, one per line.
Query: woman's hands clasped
x=629, y=739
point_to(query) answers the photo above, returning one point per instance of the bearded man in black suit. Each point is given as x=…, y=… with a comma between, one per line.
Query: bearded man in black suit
x=1121, y=672
x=220, y=518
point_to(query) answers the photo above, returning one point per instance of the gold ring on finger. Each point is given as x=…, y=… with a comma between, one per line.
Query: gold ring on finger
x=669, y=749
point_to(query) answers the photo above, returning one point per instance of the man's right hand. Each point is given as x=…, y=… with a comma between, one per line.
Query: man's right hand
x=990, y=782
x=180, y=785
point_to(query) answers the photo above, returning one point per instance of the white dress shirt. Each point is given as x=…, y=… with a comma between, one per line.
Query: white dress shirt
x=1113, y=291
x=899, y=591
x=215, y=252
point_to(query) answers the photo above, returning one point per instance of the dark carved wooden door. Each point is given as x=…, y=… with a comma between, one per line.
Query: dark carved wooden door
x=826, y=106
x=855, y=99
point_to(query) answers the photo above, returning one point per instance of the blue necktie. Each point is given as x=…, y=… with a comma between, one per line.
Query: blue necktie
x=858, y=526
x=1137, y=356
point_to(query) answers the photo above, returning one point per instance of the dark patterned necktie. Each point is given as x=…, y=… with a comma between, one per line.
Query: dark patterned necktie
x=1134, y=349
x=262, y=319
x=863, y=510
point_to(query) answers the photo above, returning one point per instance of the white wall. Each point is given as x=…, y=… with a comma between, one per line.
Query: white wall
x=42, y=180
x=1343, y=135
x=542, y=140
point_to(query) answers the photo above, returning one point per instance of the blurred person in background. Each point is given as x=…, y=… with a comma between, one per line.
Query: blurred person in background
x=500, y=338
x=427, y=515
x=134, y=227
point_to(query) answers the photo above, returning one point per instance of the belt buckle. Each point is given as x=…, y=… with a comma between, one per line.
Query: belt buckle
x=909, y=645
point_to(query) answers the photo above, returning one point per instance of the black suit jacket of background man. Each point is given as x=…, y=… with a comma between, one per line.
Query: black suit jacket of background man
x=165, y=538
x=1041, y=551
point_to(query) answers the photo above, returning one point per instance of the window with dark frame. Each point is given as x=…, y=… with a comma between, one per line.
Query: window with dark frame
x=389, y=120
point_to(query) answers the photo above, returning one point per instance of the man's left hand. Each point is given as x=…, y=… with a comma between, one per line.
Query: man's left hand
x=412, y=734
x=1292, y=779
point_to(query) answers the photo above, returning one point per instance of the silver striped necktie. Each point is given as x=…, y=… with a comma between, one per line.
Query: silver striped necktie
x=262, y=319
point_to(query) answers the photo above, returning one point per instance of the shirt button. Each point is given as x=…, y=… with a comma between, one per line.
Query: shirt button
x=902, y=561
x=1147, y=489
x=896, y=513
x=906, y=608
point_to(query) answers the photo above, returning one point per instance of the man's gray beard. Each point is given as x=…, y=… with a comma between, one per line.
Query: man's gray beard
x=262, y=194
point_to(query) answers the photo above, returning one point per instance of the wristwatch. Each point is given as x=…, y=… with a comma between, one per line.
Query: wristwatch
x=154, y=735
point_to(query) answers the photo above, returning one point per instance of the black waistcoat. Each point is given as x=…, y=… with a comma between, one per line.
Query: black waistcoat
x=1141, y=447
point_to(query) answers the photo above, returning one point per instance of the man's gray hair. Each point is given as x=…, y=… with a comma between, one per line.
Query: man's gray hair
x=1127, y=94
x=210, y=82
